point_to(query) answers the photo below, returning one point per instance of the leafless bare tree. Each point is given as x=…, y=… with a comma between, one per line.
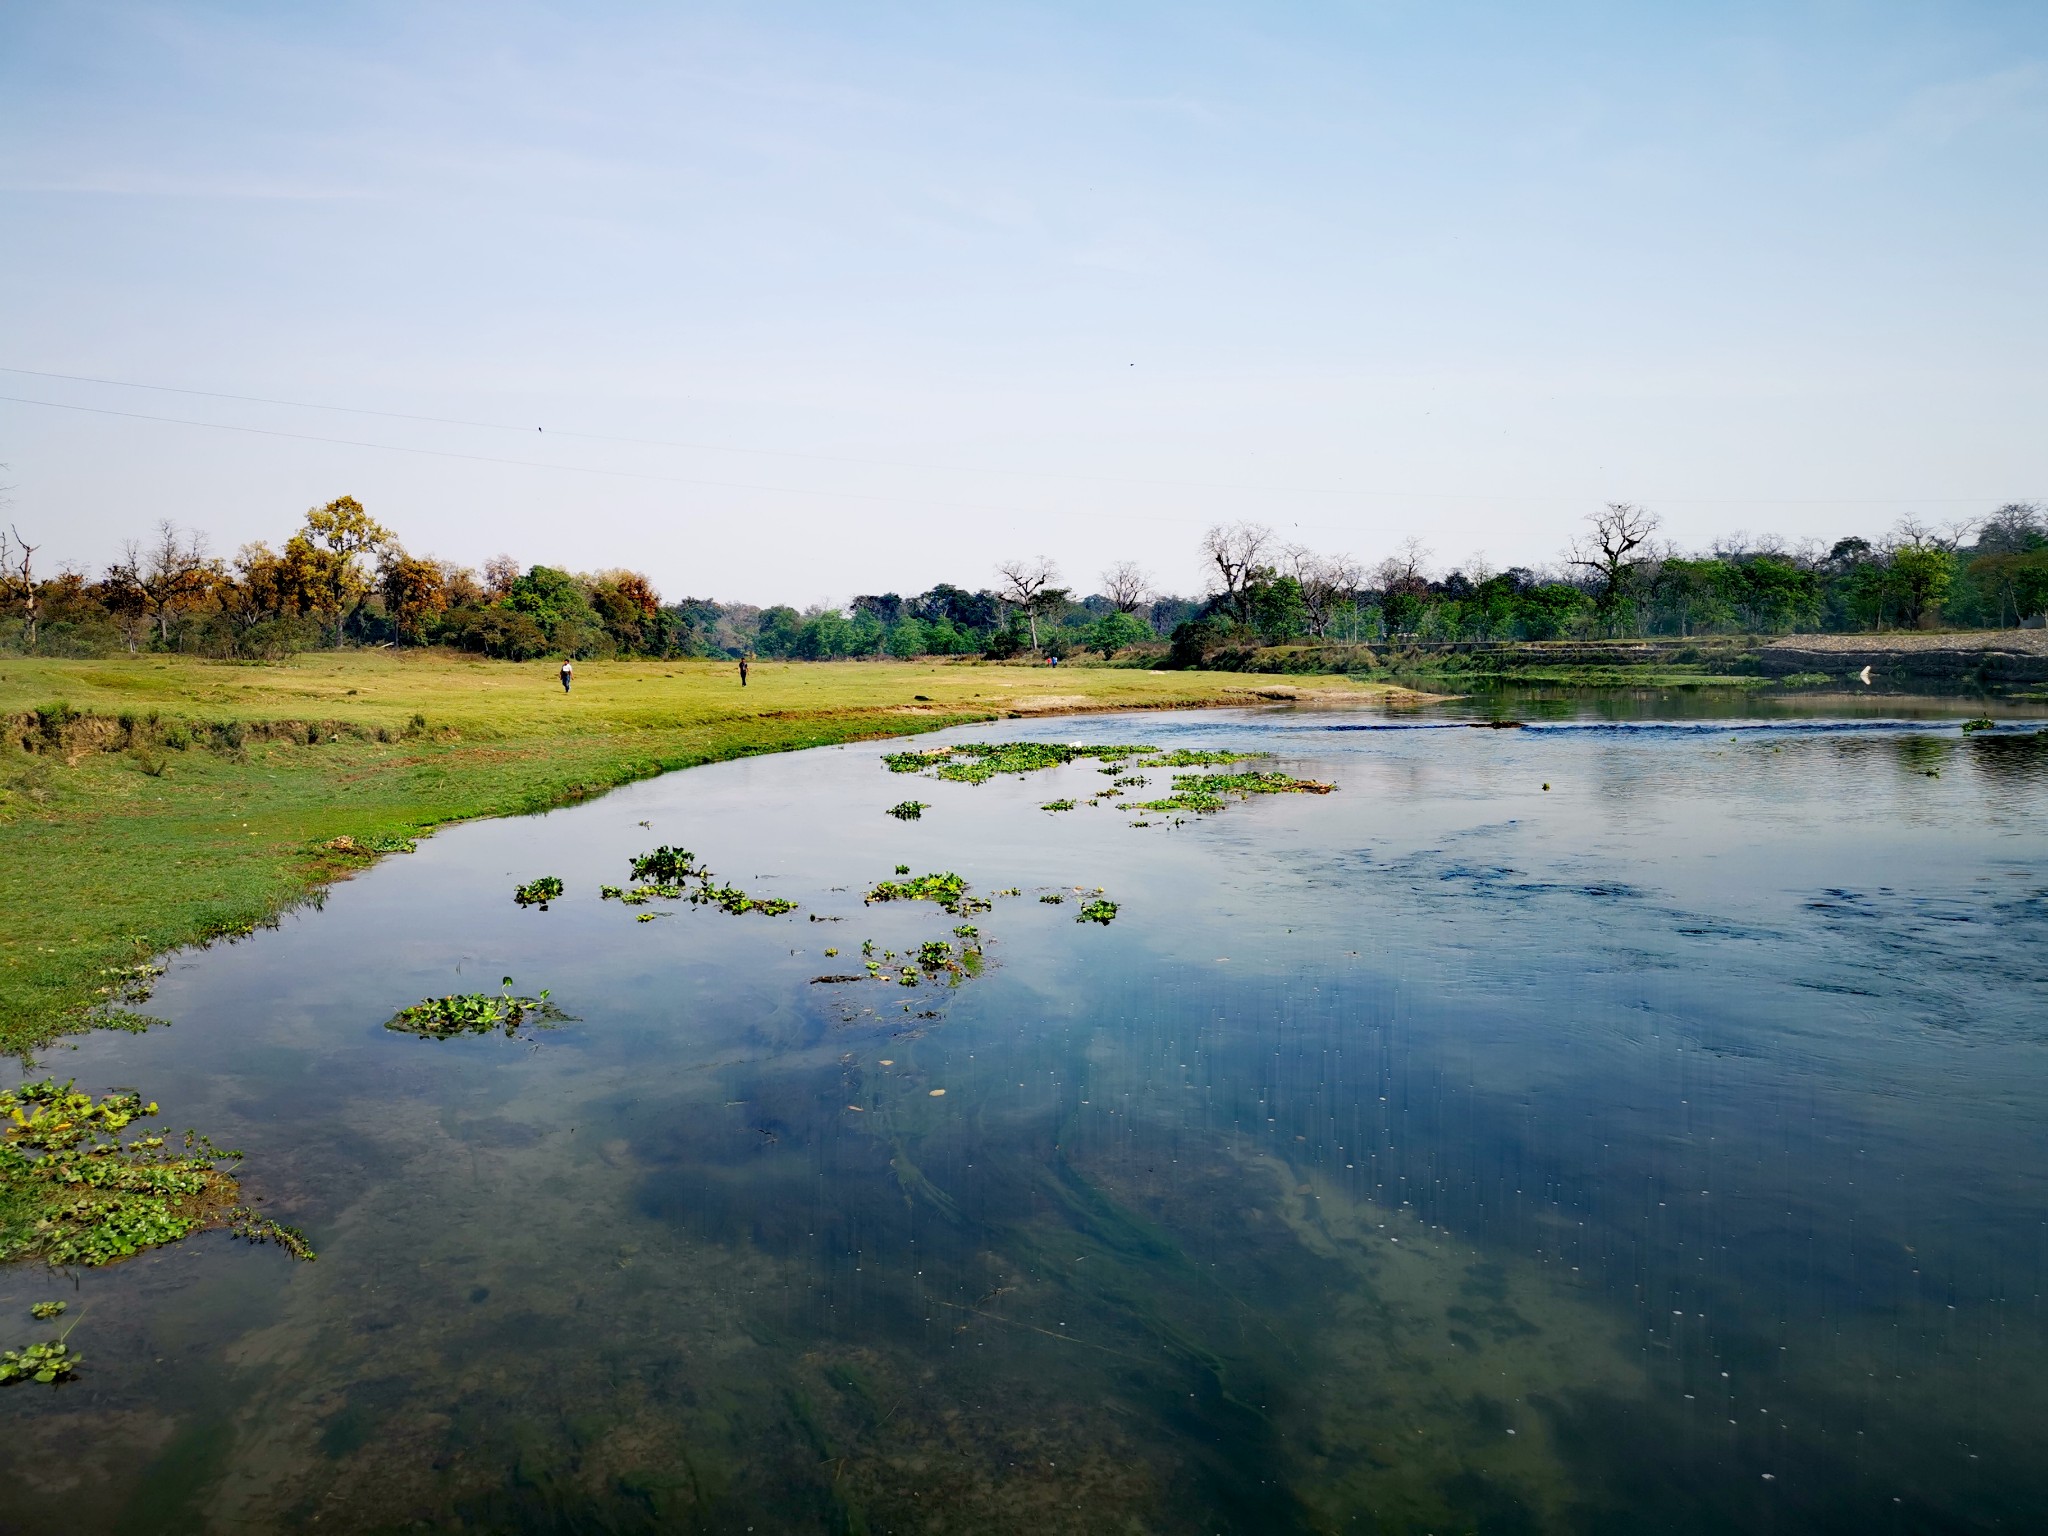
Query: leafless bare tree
x=1402, y=572
x=18, y=576
x=1126, y=584
x=1609, y=550
x=1024, y=583
x=1237, y=550
x=1325, y=581
x=168, y=577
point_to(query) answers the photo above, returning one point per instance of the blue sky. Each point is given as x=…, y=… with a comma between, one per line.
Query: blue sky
x=910, y=289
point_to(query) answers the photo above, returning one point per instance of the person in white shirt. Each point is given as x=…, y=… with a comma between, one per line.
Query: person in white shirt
x=567, y=671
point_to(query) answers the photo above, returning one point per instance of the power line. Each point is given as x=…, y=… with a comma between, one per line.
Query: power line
x=481, y=458
x=832, y=458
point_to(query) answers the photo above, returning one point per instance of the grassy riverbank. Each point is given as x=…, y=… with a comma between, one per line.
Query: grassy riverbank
x=170, y=802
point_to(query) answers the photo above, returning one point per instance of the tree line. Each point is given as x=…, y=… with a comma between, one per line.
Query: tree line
x=341, y=578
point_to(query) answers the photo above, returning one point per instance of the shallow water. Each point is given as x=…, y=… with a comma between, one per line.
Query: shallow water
x=1666, y=1148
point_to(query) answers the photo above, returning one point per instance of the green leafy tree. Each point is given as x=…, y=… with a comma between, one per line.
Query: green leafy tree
x=340, y=537
x=907, y=638
x=1116, y=631
x=1278, y=612
x=1920, y=578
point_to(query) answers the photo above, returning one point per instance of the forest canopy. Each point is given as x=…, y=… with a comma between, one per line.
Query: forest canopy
x=341, y=578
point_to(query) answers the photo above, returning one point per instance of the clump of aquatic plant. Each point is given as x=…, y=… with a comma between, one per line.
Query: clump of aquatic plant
x=42, y=1311
x=731, y=899
x=75, y=1188
x=369, y=847
x=967, y=931
x=908, y=810
x=666, y=866
x=1206, y=791
x=1057, y=805
x=1053, y=898
x=948, y=890
x=1097, y=911
x=473, y=1013
x=1981, y=723
x=538, y=893
x=936, y=958
x=666, y=869
x=46, y=1363
x=251, y=1228
x=1198, y=757
x=978, y=762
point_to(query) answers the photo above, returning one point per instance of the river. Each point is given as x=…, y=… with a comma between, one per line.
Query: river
x=1637, y=1120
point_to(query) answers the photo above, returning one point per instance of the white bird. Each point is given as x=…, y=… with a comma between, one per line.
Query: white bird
x=1863, y=677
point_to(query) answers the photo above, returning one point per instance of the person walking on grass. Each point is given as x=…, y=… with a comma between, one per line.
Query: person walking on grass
x=567, y=672
x=743, y=671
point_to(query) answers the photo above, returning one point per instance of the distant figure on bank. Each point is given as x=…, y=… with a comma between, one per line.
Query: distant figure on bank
x=567, y=672
x=743, y=671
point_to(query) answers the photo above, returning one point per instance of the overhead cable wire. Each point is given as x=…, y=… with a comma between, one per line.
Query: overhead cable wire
x=482, y=458
x=872, y=463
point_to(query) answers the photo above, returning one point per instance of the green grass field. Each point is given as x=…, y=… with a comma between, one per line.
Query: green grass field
x=125, y=832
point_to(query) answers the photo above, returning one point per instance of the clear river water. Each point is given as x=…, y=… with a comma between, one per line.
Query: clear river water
x=1637, y=1121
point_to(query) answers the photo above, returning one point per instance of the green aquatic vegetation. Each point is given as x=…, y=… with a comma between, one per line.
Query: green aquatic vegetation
x=648, y=917
x=76, y=1189
x=1057, y=805
x=251, y=1228
x=49, y=1362
x=908, y=810
x=731, y=899
x=947, y=889
x=1206, y=791
x=44, y=1310
x=1053, y=898
x=473, y=1013
x=978, y=762
x=538, y=893
x=666, y=866
x=967, y=931
x=1097, y=911
x=1804, y=679
x=666, y=869
x=1194, y=757
x=1981, y=723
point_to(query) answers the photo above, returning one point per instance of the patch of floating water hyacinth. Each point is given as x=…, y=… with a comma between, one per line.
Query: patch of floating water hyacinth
x=538, y=893
x=1097, y=911
x=1206, y=791
x=474, y=1013
x=666, y=869
x=978, y=762
x=46, y=1363
x=76, y=1189
x=908, y=810
x=1194, y=757
x=1057, y=805
x=947, y=889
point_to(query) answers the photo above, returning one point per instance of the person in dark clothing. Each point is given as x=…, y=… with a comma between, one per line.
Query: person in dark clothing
x=567, y=671
x=743, y=671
